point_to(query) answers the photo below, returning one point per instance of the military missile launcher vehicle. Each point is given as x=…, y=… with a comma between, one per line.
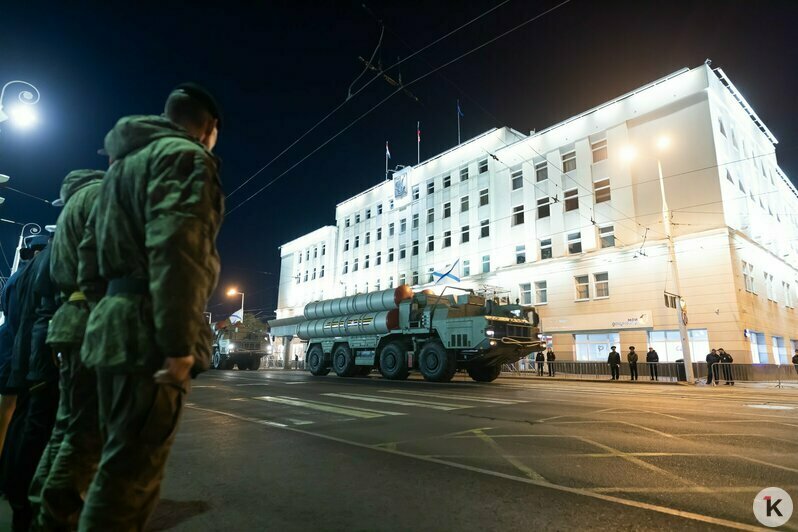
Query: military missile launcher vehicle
x=396, y=331
x=239, y=345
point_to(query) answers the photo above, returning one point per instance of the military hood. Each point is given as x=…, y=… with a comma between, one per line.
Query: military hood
x=76, y=180
x=134, y=132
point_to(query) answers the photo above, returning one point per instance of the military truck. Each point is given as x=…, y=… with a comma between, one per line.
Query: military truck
x=396, y=331
x=239, y=345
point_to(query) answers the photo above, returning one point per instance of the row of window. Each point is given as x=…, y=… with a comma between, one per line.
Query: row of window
x=770, y=286
x=309, y=276
x=315, y=253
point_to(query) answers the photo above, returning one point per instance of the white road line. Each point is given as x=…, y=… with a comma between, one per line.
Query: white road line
x=363, y=413
x=400, y=402
x=478, y=399
x=253, y=384
x=203, y=386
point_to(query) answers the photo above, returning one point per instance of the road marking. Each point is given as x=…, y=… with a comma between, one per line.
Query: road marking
x=685, y=489
x=363, y=413
x=478, y=399
x=756, y=461
x=203, y=386
x=242, y=418
x=253, y=384
x=400, y=402
x=524, y=480
x=511, y=459
x=772, y=407
x=635, y=425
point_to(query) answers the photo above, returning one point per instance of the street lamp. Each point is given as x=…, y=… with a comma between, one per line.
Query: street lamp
x=32, y=229
x=22, y=114
x=663, y=143
x=234, y=292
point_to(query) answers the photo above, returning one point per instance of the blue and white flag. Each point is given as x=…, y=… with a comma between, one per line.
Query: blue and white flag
x=447, y=275
x=237, y=316
x=387, y=151
x=459, y=111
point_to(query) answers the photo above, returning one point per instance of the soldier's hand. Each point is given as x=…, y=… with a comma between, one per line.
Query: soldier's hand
x=175, y=370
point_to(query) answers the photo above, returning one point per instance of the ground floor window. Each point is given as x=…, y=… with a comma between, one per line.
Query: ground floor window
x=759, y=349
x=595, y=346
x=668, y=344
x=779, y=350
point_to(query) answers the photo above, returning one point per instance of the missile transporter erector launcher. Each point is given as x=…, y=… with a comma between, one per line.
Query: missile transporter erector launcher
x=397, y=331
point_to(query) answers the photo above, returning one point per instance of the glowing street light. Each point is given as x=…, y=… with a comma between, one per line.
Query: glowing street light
x=234, y=292
x=22, y=114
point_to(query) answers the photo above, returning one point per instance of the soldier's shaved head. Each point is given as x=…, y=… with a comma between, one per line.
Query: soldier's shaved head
x=195, y=109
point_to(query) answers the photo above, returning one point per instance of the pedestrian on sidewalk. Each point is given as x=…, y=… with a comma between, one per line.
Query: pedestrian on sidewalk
x=296, y=361
x=539, y=358
x=614, y=360
x=652, y=359
x=712, y=359
x=726, y=362
x=631, y=357
x=550, y=358
x=795, y=360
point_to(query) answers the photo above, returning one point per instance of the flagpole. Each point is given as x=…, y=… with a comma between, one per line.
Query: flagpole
x=418, y=146
x=458, y=122
x=386, y=160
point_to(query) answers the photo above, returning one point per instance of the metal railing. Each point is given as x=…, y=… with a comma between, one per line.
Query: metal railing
x=729, y=373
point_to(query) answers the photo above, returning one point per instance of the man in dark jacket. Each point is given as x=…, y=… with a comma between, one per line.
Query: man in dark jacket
x=652, y=359
x=795, y=360
x=712, y=359
x=8, y=331
x=540, y=358
x=631, y=358
x=151, y=240
x=550, y=358
x=725, y=363
x=614, y=360
x=71, y=457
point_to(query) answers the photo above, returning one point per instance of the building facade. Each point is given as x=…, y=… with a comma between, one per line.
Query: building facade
x=570, y=219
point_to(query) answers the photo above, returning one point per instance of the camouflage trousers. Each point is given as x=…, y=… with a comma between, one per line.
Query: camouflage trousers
x=70, y=459
x=138, y=422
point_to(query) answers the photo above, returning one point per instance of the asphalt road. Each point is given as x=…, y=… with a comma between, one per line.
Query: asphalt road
x=273, y=450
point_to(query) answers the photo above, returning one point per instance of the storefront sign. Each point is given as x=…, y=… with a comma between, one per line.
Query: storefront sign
x=636, y=319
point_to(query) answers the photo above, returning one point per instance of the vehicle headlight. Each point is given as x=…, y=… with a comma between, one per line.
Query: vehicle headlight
x=269, y=350
x=493, y=342
x=231, y=347
x=490, y=332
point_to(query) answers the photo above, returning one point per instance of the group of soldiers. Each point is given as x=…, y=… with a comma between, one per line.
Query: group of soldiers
x=104, y=324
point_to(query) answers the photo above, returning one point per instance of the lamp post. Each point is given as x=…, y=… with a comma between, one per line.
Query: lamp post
x=233, y=292
x=33, y=229
x=22, y=114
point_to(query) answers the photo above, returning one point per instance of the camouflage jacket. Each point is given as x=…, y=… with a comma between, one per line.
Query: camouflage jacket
x=155, y=220
x=78, y=193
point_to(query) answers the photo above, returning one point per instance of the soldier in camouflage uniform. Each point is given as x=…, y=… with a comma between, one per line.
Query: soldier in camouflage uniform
x=70, y=459
x=153, y=243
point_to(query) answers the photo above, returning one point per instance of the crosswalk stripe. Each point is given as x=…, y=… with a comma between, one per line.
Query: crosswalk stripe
x=393, y=401
x=363, y=413
x=479, y=399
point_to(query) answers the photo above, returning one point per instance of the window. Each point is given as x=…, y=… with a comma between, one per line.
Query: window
x=378, y=258
x=734, y=139
x=571, y=200
x=741, y=187
x=323, y=249
x=402, y=278
x=403, y=225
x=377, y=286
x=464, y=174
x=466, y=268
x=447, y=239
x=485, y=263
x=431, y=243
x=601, y=282
x=379, y=233
x=366, y=262
x=769, y=286
x=355, y=266
x=321, y=271
x=601, y=190
x=447, y=209
x=759, y=349
x=415, y=248
x=430, y=186
x=779, y=349
x=788, y=301
x=465, y=234
x=346, y=222
x=315, y=252
x=464, y=204
x=722, y=129
x=594, y=347
x=415, y=221
x=368, y=237
x=299, y=277
x=368, y=214
x=582, y=284
x=518, y=215
x=544, y=207
x=483, y=166
x=447, y=181
x=346, y=247
x=357, y=218
x=307, y=255
x=525, y=289
x=516, y=179
x=415, y=277
x=545, y=249
x=484, y=198
x=390, y=254
x=484, y=228
x=569, y=162
x=430, y=215
x=379, y=209
x=574, y=243
x=306, y=276
x=390, y=229
x=599, y=150
x=607, y=236
x=541, y=293
x=299, y=260
x=346, y=266
x=729, y=177
x=748, y=277
x=668, y=344
x=430, y=275
x=520, y=254
x=402, y=252
x=541, y=171
x=390, y=281
x=357, y=241
x=416, y=192
x=390, y=205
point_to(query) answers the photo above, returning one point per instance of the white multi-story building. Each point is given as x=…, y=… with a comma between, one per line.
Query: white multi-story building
x=570, y=219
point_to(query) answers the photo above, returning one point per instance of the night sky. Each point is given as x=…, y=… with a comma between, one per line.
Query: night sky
x=279, y=67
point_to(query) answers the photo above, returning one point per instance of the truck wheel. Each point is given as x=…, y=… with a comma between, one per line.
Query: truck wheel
x=484, y=373
x=315, y=359
x=436, y=363
x=343, y=361
x=216, y=359
x=393, y=362
x=227, y=363
x=254, y=362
